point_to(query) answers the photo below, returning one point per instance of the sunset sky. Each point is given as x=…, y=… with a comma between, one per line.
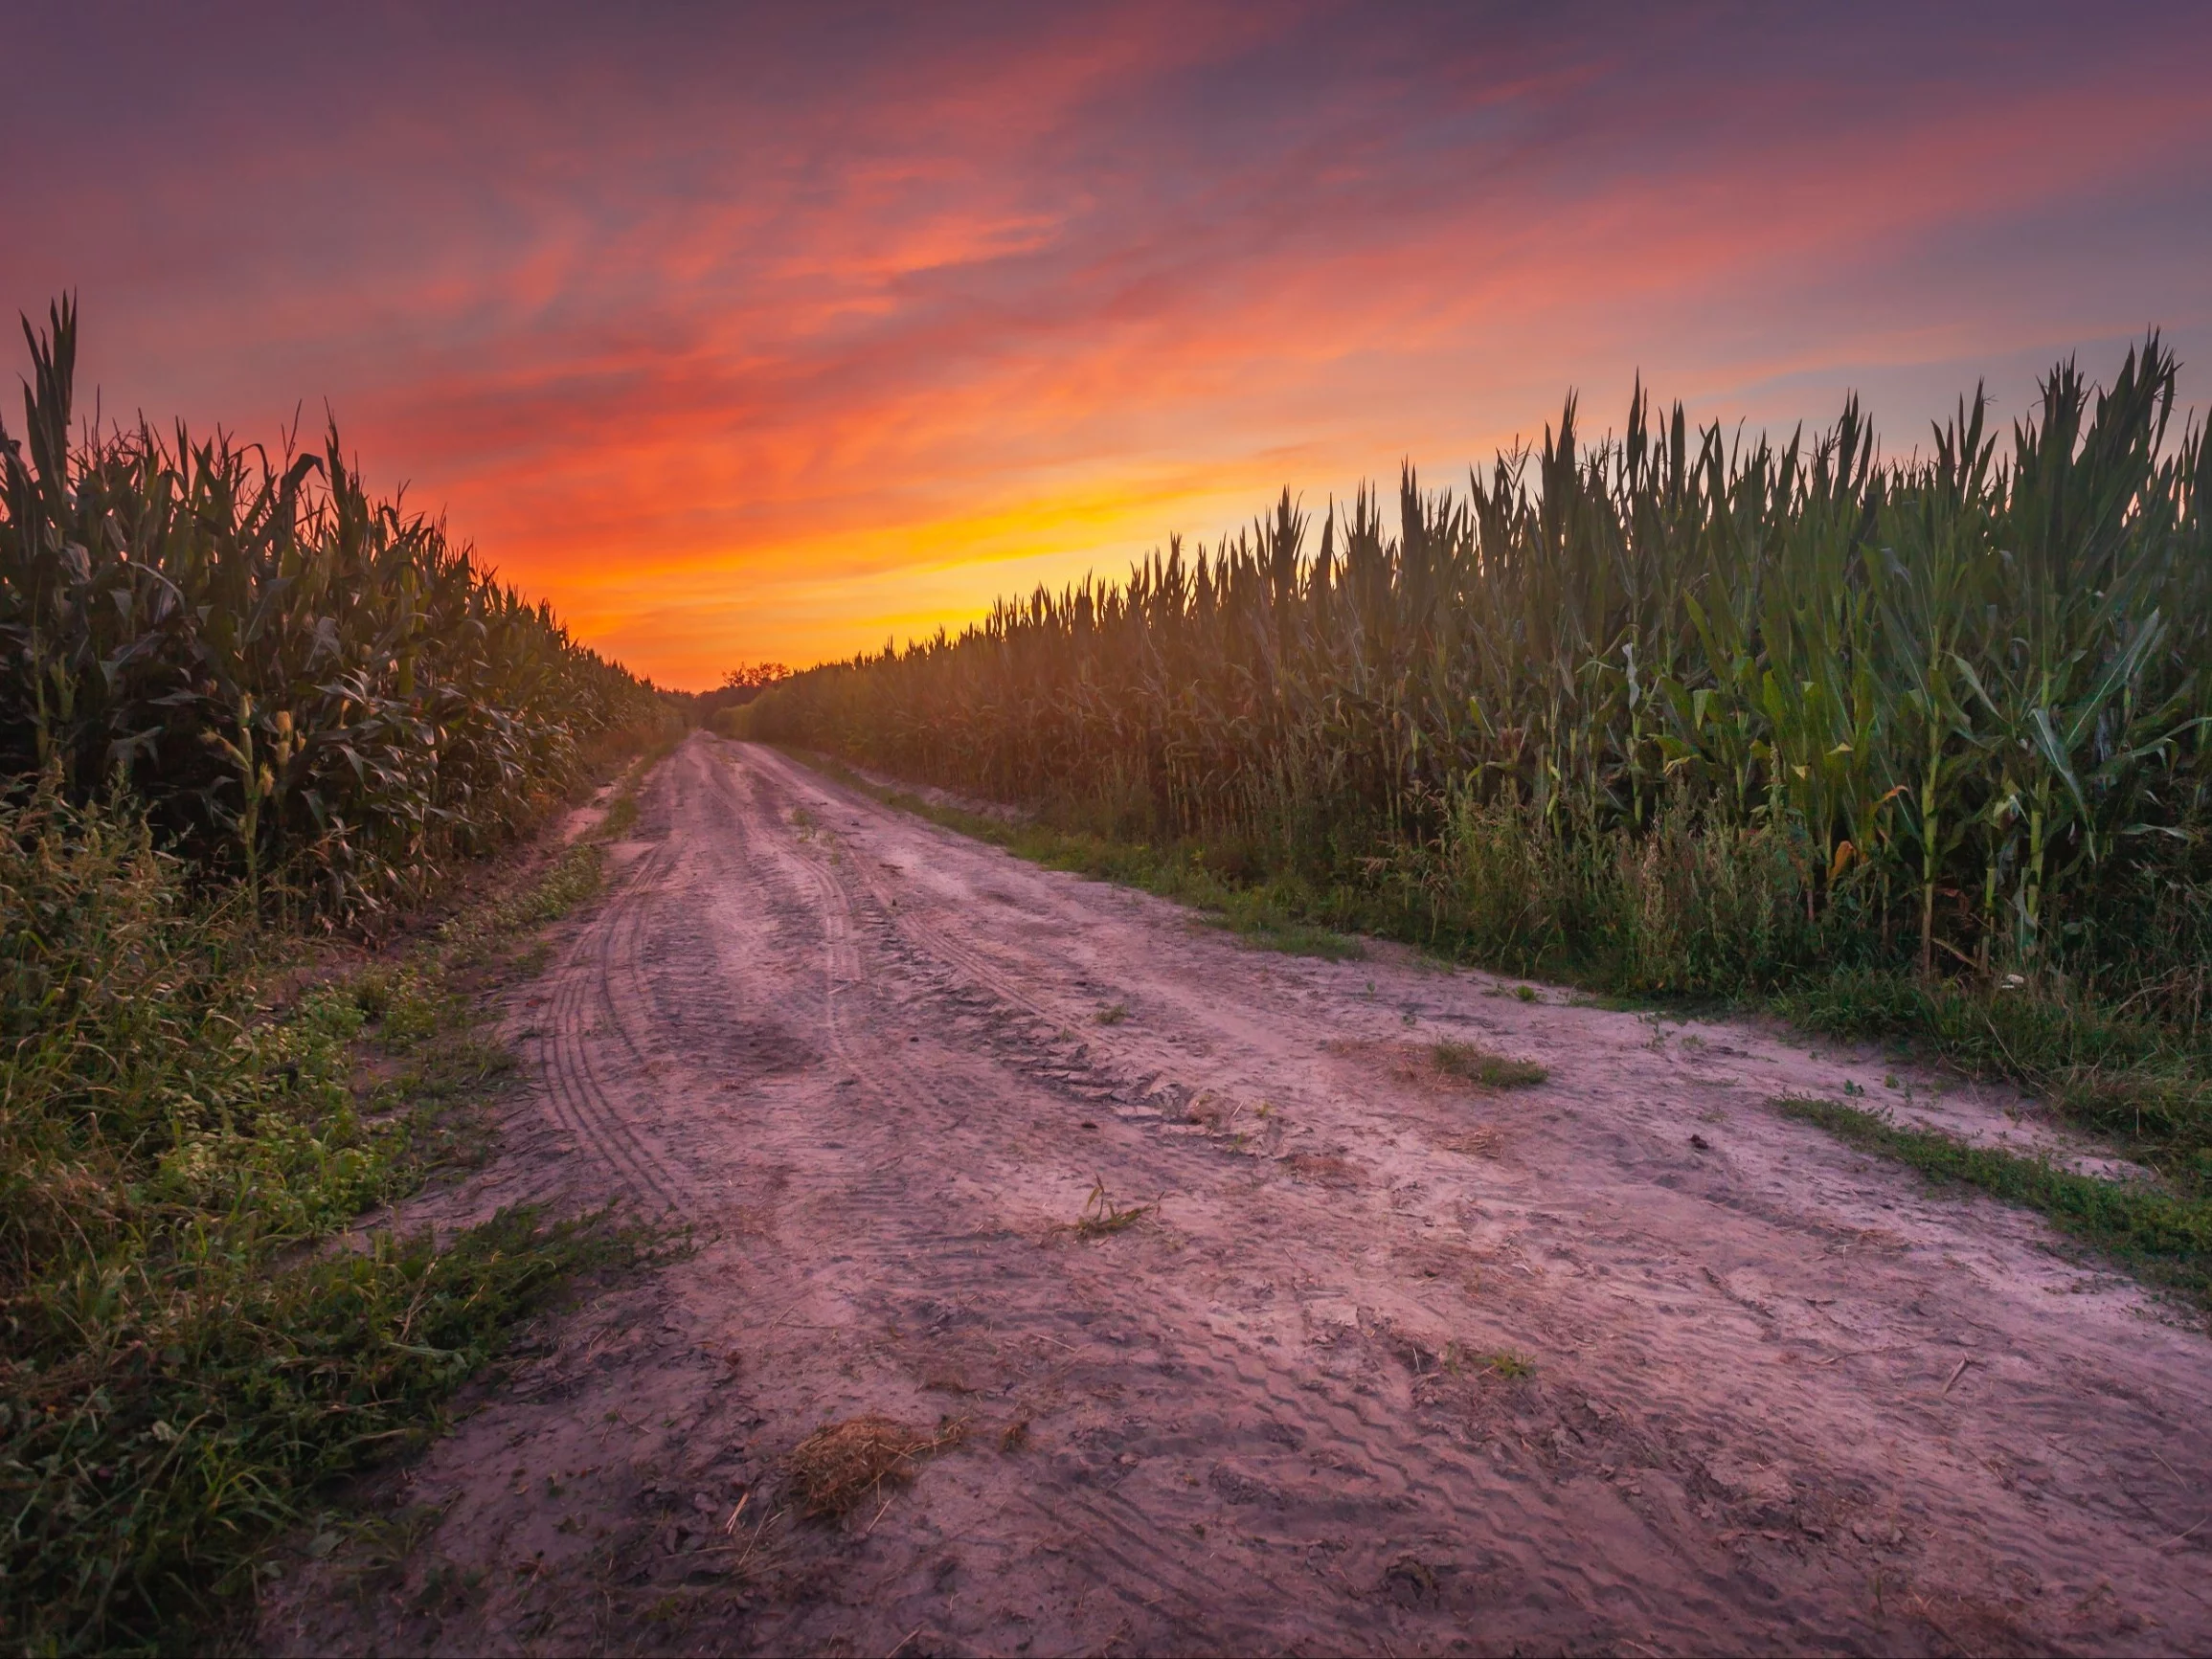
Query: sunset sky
x=773, y=332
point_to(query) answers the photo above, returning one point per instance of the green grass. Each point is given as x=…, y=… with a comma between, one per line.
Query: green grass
x=1473, y=1064
x=2161, y=1234
x=1502, y=1362
x=2134, y=1081
x=197, y=1343
x=621, y=815
x=1102, y=1217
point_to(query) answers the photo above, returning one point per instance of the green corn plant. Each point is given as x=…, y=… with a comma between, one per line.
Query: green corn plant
x=1957, y=705
x=313, y=692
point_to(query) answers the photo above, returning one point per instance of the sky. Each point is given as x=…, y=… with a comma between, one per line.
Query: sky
x=776, y=332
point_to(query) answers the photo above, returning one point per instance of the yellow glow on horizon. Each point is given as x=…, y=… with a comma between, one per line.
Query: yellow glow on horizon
x=849, y=590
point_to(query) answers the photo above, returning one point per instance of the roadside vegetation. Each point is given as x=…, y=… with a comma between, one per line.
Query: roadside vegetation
x=242, y=704
x=1910, y=750
x=2161, y=1231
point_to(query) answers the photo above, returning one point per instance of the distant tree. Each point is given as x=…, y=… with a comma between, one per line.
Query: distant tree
x=754, y=676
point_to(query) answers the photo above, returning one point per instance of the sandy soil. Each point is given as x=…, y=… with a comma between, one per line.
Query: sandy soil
x=1622, y=1362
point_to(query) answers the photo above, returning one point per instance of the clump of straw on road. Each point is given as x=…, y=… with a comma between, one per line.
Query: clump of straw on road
x=837, y=1466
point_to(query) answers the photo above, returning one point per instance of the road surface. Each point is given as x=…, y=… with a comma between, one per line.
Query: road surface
x=1625, y=1361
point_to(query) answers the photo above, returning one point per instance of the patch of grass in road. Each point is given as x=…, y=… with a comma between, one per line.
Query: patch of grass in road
x=1502, y=1362
x=426, y=1057
x=2162, y=1235
x=622, y=810
x=1472, y=1062
x=1102, y=1217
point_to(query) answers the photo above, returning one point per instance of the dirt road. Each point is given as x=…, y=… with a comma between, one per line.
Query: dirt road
x=1625, y=1361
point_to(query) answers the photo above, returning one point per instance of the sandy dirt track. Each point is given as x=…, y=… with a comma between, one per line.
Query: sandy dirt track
x=1777, y=1397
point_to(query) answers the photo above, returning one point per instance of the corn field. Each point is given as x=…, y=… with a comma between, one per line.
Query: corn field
x=1962, y=701
x=312, y=692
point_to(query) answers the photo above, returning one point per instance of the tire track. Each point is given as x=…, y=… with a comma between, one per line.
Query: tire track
x=569, y=1059
x=1124, y=1548
x=1135, y=1089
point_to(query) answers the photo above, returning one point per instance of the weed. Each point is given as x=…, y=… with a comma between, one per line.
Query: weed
x=1527, y=993
x=1113, y=1014
x=1502, y=1362
x=1102, y=1216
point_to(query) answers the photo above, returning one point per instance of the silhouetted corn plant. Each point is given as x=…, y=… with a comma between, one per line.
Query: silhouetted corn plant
x=302, y=683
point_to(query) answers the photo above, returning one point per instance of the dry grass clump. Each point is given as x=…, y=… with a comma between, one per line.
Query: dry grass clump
x=838, y=1465
x=1471, y=1062
x=1215, y=1114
